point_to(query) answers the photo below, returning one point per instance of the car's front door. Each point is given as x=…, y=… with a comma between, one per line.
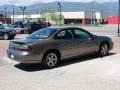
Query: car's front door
x=84, y=40
x=66, y=43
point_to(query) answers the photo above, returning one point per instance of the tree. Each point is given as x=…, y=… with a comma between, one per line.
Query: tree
x=41, y=18
x=28, y=17
x=56, y=17
x=1, y=16
x=50, y=14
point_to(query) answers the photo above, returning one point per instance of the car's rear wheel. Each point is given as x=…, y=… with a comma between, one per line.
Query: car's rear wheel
x=22, y=32
x=51, y=59
x=104, y=49
x=5, y=36
x=12, y=37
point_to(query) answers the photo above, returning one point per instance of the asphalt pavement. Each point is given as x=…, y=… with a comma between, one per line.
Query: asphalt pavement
x=85, y=73
x=88, y=73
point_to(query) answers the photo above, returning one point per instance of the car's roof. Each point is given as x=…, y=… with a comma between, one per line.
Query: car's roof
x=61, y=28
x=58, y=28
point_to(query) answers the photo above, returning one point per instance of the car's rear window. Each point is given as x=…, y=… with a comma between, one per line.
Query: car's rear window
x=42, y=33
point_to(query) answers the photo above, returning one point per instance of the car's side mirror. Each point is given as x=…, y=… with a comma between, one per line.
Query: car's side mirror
x=92, y=36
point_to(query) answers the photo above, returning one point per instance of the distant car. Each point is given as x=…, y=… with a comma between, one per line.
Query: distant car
x=19, y=27
x=21, y=30
x=7, y=33
x=51, y=45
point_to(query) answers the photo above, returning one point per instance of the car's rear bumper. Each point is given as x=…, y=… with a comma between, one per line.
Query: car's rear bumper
x=24, y=57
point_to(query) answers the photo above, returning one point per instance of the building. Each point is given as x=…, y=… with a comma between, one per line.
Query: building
x=4, y=19
x=80, y=17
x=113, y=20
x=77, y=17
x=102, y=17
x=34, y=17
x=85, y=17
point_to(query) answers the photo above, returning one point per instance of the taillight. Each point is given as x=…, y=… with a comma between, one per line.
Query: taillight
x=24, y=48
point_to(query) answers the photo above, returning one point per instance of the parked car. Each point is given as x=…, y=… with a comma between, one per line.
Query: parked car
x=51, y=45
x=7, y=32
x=34, y=26
x=20, y=30
x=20, y=27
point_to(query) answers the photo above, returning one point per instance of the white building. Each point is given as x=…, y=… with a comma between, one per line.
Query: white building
x=102, y=17
x=84, y=17
x=26, y=17
x=80, y=17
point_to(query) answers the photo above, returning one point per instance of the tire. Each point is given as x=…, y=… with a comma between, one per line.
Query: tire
x=12, y=37
x=22, y=32
x=6, y=36
x=104, y=49
x=51, y=59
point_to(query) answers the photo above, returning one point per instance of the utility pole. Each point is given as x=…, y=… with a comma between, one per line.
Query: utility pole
x=23, y=8
x=101, y=16
x=13, y=14
x=1, y=12
x=5, y=14
x=119, y=19
x=92, y=12
x=60, y=10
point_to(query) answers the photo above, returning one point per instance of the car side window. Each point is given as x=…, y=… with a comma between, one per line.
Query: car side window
x=80, y=34
x=1, y=26
x=65, y=34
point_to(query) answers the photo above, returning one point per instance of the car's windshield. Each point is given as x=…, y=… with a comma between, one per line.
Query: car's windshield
x=42, y=33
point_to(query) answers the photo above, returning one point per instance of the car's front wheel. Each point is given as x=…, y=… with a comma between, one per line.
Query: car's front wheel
x=51, y=59
x=104, y=49
x=5, y=36
x=22, y=32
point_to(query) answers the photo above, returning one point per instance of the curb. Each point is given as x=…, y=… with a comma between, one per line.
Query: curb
x=6, y=60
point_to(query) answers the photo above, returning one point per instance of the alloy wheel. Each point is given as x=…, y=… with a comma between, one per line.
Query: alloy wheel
x=5, y=36
x=51, y=59
x=104, y=49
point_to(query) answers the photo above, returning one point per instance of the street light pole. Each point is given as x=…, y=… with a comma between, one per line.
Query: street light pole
x=23, y=8
x=5, y=15
x=60, y=9
x=92, y=12
x=119, y=19
x=13, y=14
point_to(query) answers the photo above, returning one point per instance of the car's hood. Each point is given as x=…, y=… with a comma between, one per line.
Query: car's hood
x=103, y=38
x=6, y=29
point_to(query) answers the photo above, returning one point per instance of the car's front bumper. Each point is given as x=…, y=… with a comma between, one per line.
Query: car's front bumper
x=24, y=57
x=111, y=45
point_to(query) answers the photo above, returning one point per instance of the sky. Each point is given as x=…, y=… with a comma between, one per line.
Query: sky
x=29, y=2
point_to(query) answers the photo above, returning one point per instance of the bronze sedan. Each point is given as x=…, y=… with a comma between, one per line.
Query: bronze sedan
x=51, y=45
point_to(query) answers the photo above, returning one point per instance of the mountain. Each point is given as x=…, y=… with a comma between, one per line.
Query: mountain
x=110, y=7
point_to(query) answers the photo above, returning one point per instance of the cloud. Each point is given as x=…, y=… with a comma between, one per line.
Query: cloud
x=26, y=2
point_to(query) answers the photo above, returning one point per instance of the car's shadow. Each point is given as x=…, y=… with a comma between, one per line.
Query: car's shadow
x=39, y=67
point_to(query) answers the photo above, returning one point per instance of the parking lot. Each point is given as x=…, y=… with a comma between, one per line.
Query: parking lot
x=84, y=73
